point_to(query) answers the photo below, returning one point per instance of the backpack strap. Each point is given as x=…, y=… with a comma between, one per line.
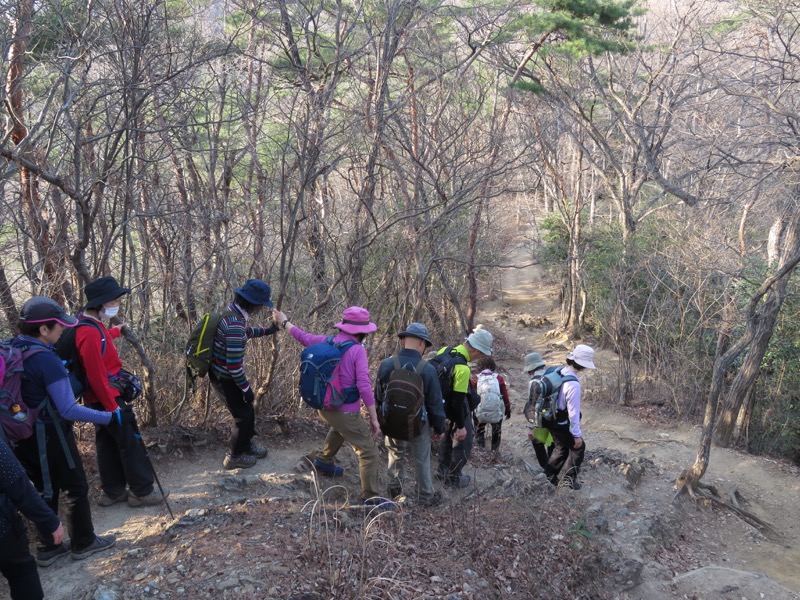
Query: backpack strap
x=41, y=436
x=96, y=325
x=343, y=346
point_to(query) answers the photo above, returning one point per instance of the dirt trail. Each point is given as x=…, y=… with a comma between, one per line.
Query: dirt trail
x=770, y=487
x=718, y=551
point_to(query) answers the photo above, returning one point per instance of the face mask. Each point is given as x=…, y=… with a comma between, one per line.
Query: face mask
x=109, y=312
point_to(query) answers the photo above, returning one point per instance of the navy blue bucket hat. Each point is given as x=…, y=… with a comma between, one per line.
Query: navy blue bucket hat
x=417, y=330
x=255, y=292
x=103, y=290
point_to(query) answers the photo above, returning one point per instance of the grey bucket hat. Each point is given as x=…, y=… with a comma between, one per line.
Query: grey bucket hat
x=532, y=362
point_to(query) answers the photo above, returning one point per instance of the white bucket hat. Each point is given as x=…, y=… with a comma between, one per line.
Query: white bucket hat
x=481, y=340
x=582, y=355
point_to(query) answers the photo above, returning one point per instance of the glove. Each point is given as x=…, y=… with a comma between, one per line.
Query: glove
x=508, y=415
x=249, y=396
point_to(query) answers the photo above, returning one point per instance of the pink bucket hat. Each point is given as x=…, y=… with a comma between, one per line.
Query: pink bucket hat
x=356, y=320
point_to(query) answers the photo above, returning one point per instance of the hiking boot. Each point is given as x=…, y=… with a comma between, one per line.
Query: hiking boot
x=441, y=475
x=151, y=499
x=395, y=491
x=379, y=504
x=480, y=442
x=45, y=558
x=106, y=500
x=239, y=461
x=436, y=500
x=570, y=484
x=257, y=450
x=100, y=543
x=457, y=481
x=327, y=469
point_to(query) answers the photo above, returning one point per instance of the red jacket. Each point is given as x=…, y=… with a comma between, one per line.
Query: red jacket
x=98, y=366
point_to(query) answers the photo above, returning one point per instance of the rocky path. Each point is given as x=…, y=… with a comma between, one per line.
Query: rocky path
x=661, y=550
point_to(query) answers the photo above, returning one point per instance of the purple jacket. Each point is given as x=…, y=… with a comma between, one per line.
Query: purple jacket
x=353, y=368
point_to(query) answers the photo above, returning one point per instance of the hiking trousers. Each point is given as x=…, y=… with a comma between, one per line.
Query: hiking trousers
x=68, y=483
x=565, y=460
x=243, y=413
x=497, y=432
x=454, y=456
x=18, y=566
x=121, y=459
x=420, y=448
x=350, y=427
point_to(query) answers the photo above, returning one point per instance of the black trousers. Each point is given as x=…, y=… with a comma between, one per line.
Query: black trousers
x=542, y=452
x=121, y=459
x=497, y=432
x=18, y=567
x=243, y=413
x=454, y=457
x=69, y=484
x=565, y=460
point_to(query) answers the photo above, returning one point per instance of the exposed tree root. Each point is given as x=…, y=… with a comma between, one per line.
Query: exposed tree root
x=704, y=492
x=635, y=441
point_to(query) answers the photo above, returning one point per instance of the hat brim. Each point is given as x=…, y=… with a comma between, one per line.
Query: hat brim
x=477, y=345
x=251, y=299
x=533, y=367
x=108, y=297
x=354, y=329
x=586, y=364
x=404, y=334
x=61, y=318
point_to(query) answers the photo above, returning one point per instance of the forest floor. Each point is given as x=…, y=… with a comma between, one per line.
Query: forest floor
x=275, y=531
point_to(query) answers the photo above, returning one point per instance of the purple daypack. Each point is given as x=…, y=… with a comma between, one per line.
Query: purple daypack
x=18, y=420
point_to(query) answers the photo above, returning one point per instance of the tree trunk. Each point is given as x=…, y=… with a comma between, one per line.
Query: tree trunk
x=690, y=478
x=727, y=432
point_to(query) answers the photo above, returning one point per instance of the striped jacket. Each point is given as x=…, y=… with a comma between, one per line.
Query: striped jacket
x=229, y=341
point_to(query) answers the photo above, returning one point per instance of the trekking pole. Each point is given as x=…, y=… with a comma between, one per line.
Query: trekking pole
x=138, y=435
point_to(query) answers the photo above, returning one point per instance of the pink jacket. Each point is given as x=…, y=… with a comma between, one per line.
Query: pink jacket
x=354, y=367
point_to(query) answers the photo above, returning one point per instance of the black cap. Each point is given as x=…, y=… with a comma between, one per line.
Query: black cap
x=40, y=310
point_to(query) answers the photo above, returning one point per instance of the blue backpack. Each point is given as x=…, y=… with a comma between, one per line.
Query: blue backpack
x=320, y=387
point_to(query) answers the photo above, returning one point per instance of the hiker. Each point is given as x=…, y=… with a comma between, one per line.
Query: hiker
x=17, y=494
x=487, y=374
x=227, y=374
x=345, y=422
x=568, y=445
x=456, y=447
x=540, y=437
x=125, y=470
x=415, y=340
x=50, y=456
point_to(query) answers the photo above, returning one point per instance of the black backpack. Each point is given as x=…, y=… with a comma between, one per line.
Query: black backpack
x=401, y=407
x=445, y=363
x=65, y=347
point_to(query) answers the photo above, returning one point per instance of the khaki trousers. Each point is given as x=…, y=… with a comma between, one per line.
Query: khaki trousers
x=350, y=427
